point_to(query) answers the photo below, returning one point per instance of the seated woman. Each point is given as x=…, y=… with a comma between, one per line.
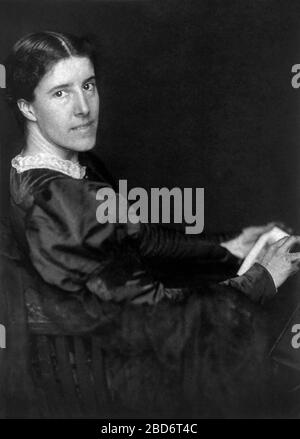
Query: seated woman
x=170, y=351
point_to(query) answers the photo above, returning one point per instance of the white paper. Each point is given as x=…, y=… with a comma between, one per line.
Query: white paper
x=260, y=248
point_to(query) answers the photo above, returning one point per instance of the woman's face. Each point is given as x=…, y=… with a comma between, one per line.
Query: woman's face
x=66, y=104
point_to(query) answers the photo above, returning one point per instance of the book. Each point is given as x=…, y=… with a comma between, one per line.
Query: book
x=260, y=248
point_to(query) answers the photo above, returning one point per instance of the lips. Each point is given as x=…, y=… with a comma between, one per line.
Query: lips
x=83, y=127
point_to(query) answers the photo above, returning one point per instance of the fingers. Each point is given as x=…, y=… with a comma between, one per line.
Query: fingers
x=287, y=242
x=295, y=267
x=294, y=257
x=279, y=243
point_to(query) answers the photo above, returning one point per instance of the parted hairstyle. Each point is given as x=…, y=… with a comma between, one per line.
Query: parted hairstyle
x=33, y=56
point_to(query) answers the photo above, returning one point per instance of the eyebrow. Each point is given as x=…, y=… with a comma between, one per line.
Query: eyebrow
x=58, y=87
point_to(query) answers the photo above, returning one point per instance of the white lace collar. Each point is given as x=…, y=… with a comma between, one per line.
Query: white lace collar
x=24, y=163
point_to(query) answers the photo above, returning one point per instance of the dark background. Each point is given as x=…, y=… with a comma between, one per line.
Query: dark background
x=195, y=94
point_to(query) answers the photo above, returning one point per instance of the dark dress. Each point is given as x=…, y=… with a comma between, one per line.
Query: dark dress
x=193, y=351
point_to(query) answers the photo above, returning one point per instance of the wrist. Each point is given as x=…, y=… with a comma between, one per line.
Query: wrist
x=269, y=274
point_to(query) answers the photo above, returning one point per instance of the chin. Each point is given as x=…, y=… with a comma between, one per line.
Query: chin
x=84, y=146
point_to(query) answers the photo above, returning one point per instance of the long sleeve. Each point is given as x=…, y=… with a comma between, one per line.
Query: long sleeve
x=71, y=250
x=163, y=357
x=218, y=238
x=66, y=244
x=257, y=283
x=157, y=241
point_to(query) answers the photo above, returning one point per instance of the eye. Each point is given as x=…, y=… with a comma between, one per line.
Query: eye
x=60, y=94
x=89, y=86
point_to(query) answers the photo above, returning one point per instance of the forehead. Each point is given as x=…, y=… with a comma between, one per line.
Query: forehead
x=69, y=70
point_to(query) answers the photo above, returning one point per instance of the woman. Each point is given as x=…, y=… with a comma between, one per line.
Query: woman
x=170, y=352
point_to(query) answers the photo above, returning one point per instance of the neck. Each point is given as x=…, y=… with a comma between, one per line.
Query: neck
x=36, y=143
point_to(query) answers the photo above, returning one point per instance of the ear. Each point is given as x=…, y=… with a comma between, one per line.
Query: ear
x=27, y=110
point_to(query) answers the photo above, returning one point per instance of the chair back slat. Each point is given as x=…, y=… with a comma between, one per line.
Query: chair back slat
x=16, y=387
x=67, y=376
x=98, y=367
x=44, y=372
x=86, y=380
x=45, y=378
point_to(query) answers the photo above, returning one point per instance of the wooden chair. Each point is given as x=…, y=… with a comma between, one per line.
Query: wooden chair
x=48, y=373
x=44, y=373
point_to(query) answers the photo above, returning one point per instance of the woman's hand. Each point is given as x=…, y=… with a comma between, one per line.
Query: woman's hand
x=278, y=260
x=242, y=244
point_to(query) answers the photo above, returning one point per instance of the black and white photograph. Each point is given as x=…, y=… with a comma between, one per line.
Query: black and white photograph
x=149, y=212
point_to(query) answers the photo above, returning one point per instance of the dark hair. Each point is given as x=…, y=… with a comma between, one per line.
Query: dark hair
x=33, y=56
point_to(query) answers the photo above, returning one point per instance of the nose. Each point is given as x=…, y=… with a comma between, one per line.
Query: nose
x=81, y=105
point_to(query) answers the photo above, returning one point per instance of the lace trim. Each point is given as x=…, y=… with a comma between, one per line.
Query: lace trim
x=39, y=161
